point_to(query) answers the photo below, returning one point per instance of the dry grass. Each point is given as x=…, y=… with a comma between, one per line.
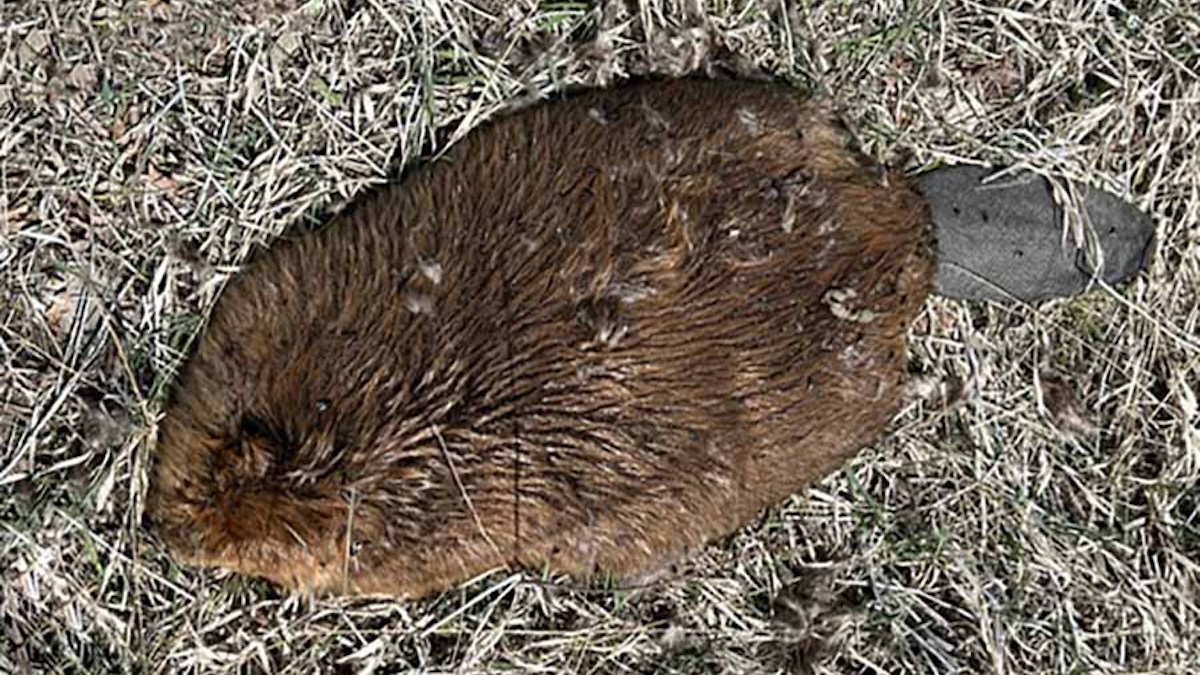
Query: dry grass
x=1045, y=519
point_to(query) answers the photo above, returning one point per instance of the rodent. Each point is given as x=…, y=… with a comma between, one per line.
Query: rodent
x=593, y=336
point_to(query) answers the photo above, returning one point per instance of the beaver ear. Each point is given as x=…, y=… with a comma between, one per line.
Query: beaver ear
x=253, y=453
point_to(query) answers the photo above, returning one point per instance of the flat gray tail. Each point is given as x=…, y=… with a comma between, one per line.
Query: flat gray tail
x=1003, y=240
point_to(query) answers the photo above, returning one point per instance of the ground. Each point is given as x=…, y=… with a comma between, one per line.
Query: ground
x=1036, y=512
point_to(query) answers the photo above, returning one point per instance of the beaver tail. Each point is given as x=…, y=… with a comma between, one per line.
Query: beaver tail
x=1003, y=239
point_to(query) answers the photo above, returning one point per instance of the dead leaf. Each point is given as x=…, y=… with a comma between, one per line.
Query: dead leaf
x=1066, y=412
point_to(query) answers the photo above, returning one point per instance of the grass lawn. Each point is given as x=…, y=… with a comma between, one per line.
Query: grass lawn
x=1037, y=512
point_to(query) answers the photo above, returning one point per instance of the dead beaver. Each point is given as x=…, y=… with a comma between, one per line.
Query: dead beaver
x=596, y=334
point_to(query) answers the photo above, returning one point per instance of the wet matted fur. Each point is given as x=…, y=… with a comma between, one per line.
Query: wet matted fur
x=594, y=335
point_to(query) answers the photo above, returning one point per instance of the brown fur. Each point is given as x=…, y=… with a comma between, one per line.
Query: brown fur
x=595, y=335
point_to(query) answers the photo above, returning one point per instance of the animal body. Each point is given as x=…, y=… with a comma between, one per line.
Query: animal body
x=593, y=336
